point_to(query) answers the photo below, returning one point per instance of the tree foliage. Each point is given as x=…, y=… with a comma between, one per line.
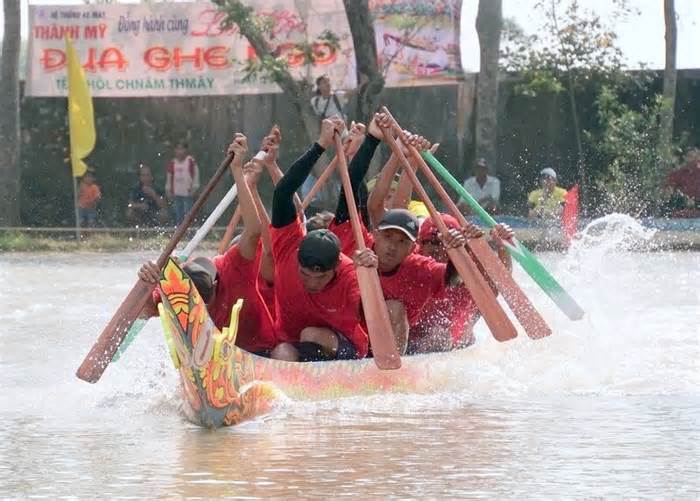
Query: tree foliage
x=574, y=53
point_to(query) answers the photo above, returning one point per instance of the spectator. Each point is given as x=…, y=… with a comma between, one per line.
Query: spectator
x=326, y=103
x=88, y=195
x=182, y=181
x=685, y=183
x=484, y=188
x=146, y=203
x=546, y=203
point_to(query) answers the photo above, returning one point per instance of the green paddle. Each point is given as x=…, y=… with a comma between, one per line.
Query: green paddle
x=527, y=260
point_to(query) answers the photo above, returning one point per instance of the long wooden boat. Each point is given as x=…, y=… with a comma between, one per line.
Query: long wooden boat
x=224, y=385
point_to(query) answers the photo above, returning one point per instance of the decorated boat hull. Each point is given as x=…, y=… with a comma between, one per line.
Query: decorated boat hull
x=224, y=385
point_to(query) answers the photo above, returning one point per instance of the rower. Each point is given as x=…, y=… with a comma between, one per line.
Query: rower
x=447, y=318
x=408, y=279
x=223, y=280
x=317, y=296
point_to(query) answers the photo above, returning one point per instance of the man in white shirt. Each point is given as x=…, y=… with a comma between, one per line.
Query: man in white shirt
x=484, y=188
x=326, y=103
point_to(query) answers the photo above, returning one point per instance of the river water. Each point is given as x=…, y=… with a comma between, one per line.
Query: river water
x=605, y=407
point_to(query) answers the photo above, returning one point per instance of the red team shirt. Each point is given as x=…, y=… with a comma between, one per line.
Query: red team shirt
x=337, y=307
x=414, y=282
x=452, y=309
x=238, y=278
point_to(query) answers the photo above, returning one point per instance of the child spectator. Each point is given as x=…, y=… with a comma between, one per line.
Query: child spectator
x=88, y=195
x=182, y=181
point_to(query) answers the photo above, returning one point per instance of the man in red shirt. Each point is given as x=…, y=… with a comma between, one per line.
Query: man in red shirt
x=223, y=280
x=448, y=317
x=318, y=309
x=408, y=279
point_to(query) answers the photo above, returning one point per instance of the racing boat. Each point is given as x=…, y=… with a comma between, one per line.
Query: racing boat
x=224, y=385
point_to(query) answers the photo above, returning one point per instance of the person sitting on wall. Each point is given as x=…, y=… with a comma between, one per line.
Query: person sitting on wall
x=546, y=203
x=484, y=188
x=147, y=206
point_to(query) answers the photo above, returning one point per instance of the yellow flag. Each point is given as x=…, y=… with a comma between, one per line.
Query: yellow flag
x=80, y=115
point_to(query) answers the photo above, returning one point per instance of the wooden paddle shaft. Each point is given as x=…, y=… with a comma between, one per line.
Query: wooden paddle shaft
x=384, y=350
x=319, y=183
x=499, y=323
x=230, y=229
x=533, y=323
x=103, y=350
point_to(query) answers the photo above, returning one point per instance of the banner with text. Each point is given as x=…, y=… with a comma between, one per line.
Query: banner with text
x=181, y=49
x=418, y=41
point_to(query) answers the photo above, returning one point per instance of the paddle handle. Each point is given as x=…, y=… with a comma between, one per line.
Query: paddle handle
x=230, y=229
x=319, y=183
x=101, y=353
x=349, y=196
x=209, y=223
x=384, y=350
x=485, y=216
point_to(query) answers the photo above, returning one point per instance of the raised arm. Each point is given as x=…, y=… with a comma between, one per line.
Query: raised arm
x=404, y=191
x=248, y=243
x=283, y=210
x=375, y=202
x=269, y=153
x=360, y=164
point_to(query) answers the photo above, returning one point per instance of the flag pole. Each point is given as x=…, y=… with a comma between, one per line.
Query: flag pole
x=75, y=205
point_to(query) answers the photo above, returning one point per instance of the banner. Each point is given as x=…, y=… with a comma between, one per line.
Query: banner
x=181, y=49
x=418, y=41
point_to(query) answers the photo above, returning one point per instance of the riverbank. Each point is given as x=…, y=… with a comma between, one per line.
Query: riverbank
x=664, y=234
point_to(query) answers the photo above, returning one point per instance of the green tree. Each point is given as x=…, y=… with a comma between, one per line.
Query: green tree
x=637, y=161
x=257, y=29
x=669, y=89
x=9, y=116
x=574, y=47
x=488, y=27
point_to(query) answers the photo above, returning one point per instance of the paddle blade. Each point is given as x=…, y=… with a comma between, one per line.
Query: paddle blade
x=500, y=325
x=531, y=320
x=381, y=337
x=106, y=346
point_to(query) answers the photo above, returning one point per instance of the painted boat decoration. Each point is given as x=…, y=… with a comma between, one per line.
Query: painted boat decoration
x=224, y=385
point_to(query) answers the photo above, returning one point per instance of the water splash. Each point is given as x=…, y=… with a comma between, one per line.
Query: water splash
x=613, y=232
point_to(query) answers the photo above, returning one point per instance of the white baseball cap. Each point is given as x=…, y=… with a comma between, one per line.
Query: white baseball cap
x=548, y=172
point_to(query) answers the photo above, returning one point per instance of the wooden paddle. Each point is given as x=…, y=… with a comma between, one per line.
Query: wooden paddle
x=230, y=230
x=520, y=305
x=386, y=355
x=319, y=183
x=103, y=350
x=499, y=323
